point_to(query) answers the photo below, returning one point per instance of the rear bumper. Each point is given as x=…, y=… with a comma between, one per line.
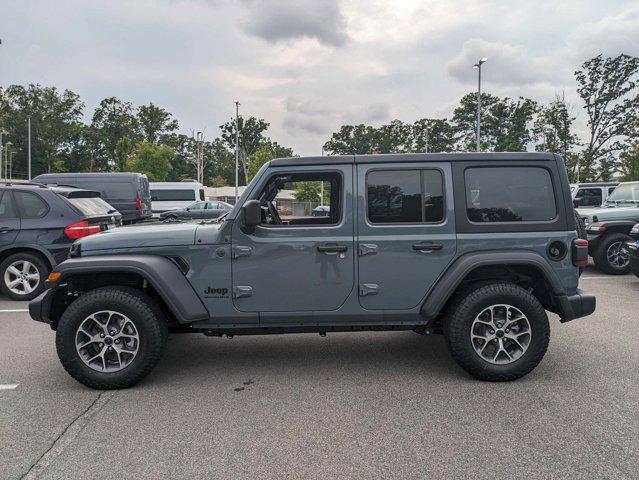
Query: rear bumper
x=40, y=307
x=574, y=306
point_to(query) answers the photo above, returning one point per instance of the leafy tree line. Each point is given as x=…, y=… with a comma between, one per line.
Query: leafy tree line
x=146, y=138
x=610, y=96
x=121, y=138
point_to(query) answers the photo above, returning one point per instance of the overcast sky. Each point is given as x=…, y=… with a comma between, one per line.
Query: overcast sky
x=308, y=66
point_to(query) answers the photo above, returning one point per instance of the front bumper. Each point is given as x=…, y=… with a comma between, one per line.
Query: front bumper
x=40, y=307
x=633, y=255
x=578, y=305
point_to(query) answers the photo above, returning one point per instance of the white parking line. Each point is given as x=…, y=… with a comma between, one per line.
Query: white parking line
x=9, y=386
x=17, y=310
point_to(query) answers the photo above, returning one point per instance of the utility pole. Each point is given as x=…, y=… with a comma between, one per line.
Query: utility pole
x=11, y=167
x=199, y=159
x=6, y=161
x=426, y=149
x=237, y=144
x=29, y=147
x=322, y=183
x=2, y=132
x=478, y=67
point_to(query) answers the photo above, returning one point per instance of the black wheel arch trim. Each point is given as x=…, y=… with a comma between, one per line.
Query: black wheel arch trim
x=464, y=265
x=613, y=224
x=161, y=273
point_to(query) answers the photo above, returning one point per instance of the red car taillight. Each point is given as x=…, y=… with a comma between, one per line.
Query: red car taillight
x=580, y=252
x=138, y=204
x=81, y=229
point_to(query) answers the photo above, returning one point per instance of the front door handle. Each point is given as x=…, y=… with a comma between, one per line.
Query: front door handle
x=4, y=229
x=427, y=247
x=331, y=248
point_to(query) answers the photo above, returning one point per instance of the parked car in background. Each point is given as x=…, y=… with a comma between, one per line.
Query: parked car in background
x=632, y=250
x=591, y=195
x=37, y=227
x=322, y=211
x=128, y=193
x=174, y=195
x=609, y=228
x=212, y=209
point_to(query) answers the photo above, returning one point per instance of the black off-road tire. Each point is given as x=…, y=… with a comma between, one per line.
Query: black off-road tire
x=469, y=303
x=580, y=226
x=147, y=318
x=37, y=261
x=600, y=256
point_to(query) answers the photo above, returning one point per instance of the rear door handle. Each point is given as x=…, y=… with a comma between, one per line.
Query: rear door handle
x=427, y=247
x=329, y=248
x=4, y=229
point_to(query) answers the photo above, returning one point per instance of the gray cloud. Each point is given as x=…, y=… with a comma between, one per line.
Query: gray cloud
x=294, y=19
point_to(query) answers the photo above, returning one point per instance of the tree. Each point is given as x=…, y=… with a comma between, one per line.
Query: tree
x=629, y=163
x=251, y=136
x=155, y=122
x=219, y=164
x=607, y=87
x=433, y=135
x=123, y=149
x=153, y=160
x=112, y=121
x=552, y=132
x=55, y=125
x=465, y=121
x=392, y=138
x=508, y=124
x=308, y=191
x=351, y=140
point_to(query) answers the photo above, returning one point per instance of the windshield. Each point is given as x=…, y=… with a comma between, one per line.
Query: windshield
x=92, y=207
x=628, y=193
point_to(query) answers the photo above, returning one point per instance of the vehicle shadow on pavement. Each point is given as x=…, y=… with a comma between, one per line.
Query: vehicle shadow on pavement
x=307, y=355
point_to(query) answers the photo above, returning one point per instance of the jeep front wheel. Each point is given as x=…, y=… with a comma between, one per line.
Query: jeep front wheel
x=610, y=255
x=111, y=337
x=497, y=332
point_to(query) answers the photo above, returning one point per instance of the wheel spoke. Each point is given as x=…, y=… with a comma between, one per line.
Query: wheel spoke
x=13, y=270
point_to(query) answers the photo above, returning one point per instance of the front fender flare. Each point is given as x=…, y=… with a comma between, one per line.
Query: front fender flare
x=458, y=271
x=161, y=273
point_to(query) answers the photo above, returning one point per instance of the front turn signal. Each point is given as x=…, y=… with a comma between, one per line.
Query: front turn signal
x=54, y=276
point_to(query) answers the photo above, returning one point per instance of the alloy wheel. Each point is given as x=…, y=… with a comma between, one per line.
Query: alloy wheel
x=22, y=277
x=500, y=334
x=107, y=341
x=617, y=256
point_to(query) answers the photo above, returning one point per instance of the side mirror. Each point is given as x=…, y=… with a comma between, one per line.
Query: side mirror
x=252, y=213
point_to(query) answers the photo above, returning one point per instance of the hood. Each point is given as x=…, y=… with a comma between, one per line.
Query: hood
x=155, y=235
x=630, y=212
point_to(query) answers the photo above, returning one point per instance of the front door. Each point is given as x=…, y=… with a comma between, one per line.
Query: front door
x=295, y=261
x=406, y=232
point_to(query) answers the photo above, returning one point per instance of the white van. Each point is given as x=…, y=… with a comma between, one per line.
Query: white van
x=172, y=195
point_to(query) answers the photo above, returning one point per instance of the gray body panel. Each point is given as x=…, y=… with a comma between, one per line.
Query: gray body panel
x=274, y=276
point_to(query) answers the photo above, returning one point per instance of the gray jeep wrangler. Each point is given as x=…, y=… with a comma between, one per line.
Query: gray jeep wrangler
x=474, y=246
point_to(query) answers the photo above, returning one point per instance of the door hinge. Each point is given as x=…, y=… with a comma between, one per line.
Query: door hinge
x=367, y=249
x=242, y=251
x=242, y=291
x=368, y=289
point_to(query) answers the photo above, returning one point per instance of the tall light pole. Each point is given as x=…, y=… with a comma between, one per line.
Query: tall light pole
x=478, y=67
x=237, y=142
x=2, y=132
x=29, y=147
x=11, y=166
x=6, y=160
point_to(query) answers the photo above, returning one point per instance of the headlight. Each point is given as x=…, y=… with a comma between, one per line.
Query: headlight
x=635, y=229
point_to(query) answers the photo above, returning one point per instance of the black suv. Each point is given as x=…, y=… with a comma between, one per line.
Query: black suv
x=38, y=224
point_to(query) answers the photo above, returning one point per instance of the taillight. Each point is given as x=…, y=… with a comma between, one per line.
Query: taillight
x=580, y=252
x=81, y=229
x=138, y=204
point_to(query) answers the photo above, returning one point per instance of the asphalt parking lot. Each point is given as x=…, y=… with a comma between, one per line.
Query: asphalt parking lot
x=366, y=405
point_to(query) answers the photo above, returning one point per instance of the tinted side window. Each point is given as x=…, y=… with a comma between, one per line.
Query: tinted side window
x=509, y=194
x=172, y=195
x=7, y=210
x=405, y=196
x=611, y=189
x=32, y=205
x=590, y=197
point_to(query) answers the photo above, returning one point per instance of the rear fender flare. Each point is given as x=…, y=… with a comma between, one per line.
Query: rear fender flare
x=464, y=265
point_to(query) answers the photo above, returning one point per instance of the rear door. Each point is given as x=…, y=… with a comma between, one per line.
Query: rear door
x=9, y=220
x=406, y=232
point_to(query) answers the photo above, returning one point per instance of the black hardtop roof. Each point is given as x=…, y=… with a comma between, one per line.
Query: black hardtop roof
x=414, y=157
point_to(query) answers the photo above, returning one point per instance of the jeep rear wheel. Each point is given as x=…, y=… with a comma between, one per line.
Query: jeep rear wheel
x=111, y=337
x=497, y=332
x=610, y=256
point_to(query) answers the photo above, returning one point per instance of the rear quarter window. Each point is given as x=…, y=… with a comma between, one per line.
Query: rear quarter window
x=31, y=205
x=509, y=194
